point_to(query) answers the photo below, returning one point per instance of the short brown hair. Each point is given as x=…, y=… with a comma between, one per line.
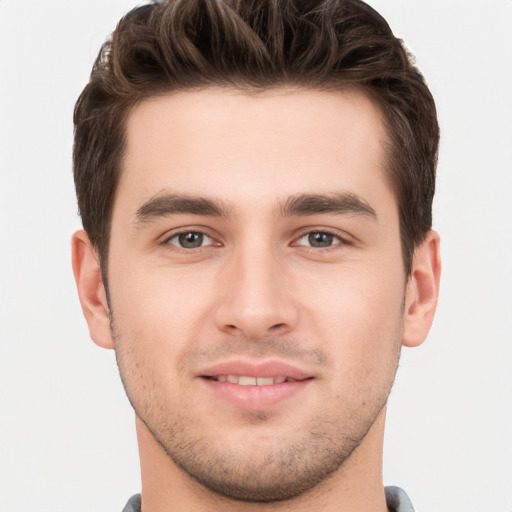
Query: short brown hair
x=255, y=45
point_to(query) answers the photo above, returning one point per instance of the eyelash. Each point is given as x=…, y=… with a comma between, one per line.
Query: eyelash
x=338, y=239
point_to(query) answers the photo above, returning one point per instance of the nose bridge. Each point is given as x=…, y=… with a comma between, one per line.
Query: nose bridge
x=255, y=300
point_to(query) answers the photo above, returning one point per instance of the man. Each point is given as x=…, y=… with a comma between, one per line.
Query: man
x=255, y=181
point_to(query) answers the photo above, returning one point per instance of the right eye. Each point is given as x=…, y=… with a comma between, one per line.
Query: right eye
x=190, y=240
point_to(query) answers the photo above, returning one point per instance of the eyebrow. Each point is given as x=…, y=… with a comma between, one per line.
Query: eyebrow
x=170, y=204
x=317, y=204
x=340, y=203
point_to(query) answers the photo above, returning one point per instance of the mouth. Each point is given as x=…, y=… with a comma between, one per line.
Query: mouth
x=247, y=380
x=255, y=386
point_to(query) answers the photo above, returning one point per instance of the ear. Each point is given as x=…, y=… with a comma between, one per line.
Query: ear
x=422, y=291
x=91, y=291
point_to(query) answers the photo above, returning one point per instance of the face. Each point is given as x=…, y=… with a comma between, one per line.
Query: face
x=256, y=283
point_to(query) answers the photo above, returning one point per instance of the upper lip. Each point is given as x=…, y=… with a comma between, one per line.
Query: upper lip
x=255, y=369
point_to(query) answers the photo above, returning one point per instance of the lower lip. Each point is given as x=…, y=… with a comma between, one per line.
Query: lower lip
x=256, y=397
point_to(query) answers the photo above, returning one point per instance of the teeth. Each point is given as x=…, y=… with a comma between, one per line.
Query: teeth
x=265, y=381
x=243, y=380
x=247, y=381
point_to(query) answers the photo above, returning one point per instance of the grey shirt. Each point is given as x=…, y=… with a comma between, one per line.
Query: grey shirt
x=396, y=500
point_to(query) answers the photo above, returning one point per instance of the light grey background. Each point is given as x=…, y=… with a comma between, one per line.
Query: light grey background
x=67, y=438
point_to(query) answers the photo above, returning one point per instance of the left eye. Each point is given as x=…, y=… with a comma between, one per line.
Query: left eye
x=319, y=239
x=190, y=240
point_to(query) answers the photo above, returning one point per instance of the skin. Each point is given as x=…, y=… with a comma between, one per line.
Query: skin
x=259, y=287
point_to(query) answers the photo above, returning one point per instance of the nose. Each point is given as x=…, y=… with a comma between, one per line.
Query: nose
x=257, y=296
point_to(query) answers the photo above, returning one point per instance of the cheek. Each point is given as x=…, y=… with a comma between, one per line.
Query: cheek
x=350, y=299
x=358, y=316
x=159, y=297
x=148, y=345
x=160, y=313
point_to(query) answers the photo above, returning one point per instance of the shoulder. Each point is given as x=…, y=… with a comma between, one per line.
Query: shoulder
x=133, y=504
x=397, y=500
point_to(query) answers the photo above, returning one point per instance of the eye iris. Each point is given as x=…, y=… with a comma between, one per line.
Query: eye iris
x=191, y=240
x=320, y=239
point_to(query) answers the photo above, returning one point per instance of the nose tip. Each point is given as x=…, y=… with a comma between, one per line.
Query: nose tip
x=256, y=327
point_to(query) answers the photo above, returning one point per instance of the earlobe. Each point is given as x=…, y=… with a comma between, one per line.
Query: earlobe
x=91, y=290
x=422, y=291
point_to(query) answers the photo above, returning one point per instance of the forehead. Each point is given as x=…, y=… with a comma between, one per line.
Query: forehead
x=237, y=145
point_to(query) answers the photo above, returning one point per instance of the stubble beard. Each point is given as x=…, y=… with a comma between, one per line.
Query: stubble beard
x=267, y=473
x=263, y=475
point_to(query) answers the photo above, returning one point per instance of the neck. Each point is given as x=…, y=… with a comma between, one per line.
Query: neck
x=356, y=486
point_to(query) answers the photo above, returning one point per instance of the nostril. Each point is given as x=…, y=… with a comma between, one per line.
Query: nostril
x=277, y=326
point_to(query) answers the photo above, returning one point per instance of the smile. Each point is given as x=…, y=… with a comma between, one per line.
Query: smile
x=254, y=385
x=245, y=380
